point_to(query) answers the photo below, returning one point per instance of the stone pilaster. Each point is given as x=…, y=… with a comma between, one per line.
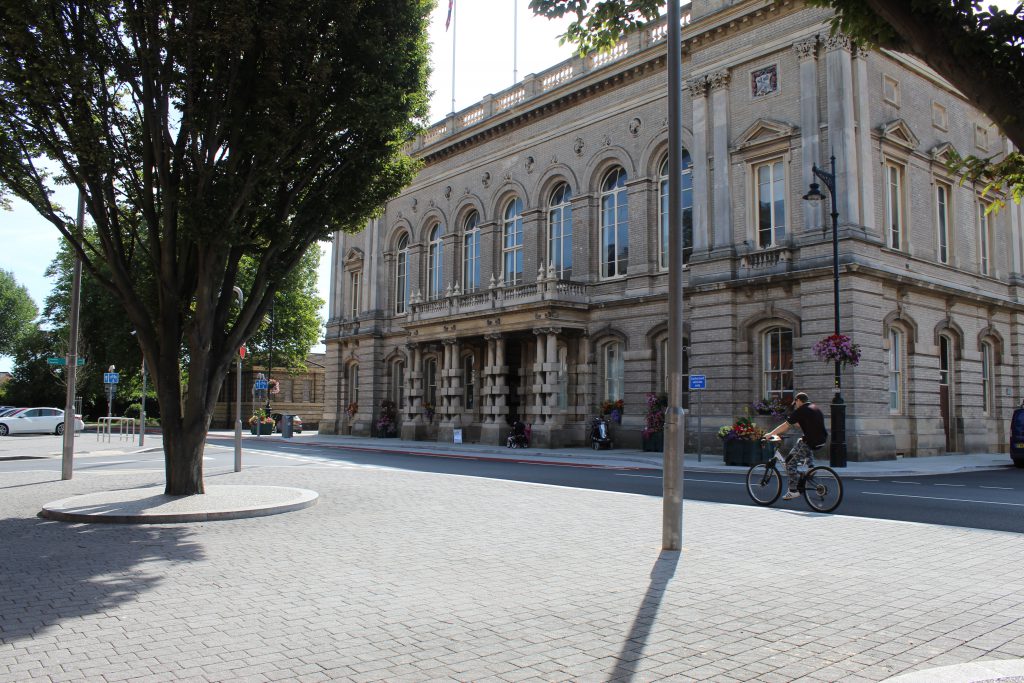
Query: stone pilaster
x=698, y=88
x=810, y=139
x=494, y=391
x=841, y=133
x=722, y=206
x=865, y=169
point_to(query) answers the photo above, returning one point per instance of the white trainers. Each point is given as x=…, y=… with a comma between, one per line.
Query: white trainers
x=790, y=495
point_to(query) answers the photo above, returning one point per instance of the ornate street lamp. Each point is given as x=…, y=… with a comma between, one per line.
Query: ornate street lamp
x=837, y=446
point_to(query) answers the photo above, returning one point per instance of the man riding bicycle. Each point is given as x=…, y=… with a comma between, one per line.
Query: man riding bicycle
x=811, y=421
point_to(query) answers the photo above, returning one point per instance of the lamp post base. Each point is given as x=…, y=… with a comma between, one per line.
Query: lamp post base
x=837, y=445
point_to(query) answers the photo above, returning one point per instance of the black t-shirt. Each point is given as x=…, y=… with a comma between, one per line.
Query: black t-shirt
x=812, y=424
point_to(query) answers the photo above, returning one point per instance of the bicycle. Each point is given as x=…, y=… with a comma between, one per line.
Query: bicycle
x=820, y=486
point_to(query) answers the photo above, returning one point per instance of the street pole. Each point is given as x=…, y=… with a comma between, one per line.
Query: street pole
x=270, y=366
x=72, y=359
x=238, y=398
x=675, y=428
x=837, y=445
x=142, y=410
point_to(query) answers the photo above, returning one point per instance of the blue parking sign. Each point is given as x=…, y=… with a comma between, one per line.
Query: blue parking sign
x=698, y=381
x=111, y=377
x=260, y=385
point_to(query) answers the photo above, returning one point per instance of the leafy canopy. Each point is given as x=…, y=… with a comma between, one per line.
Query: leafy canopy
x=18, y=312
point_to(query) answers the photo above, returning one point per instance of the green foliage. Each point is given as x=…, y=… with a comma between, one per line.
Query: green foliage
x=204, y=133
x=598, y=25
x=33, y=382
x=18, y=312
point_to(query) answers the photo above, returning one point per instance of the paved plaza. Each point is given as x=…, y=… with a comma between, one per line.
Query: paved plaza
x=404, y=576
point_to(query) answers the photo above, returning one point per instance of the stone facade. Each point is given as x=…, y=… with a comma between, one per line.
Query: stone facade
x=522, y=273
x=301, y=393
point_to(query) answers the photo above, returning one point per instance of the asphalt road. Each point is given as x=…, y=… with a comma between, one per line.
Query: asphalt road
x=985, y=499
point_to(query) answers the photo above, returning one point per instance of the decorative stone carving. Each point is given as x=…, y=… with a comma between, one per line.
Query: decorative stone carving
x=764, y=81
x=634, y=127
x=838, y=42
x=529, y=164
x=577, y=146
x=415, y=203
x=805, y=49
x=448, y=192
x=485, y=179
x=698, y=87
x=719, y=79
x=508, y=175
x=606, y=140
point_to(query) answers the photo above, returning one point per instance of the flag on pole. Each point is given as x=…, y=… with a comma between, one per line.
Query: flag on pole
x=451, y=6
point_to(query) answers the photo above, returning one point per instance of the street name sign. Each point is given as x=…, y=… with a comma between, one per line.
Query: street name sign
x=63, y=361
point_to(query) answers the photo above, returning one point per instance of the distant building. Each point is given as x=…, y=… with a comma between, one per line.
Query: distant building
x=524, y=272
x=301, y=393
x=4, y=378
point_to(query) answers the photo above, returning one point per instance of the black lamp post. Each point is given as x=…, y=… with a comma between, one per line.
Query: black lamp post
x=270, y=363
x=837, y=446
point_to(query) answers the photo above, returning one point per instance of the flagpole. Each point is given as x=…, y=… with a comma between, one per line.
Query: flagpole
x=455, y=19
x=515, y=42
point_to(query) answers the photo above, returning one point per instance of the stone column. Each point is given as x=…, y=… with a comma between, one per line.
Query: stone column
x=810, y=142
x=413, y=425
x=865, y=168
x=841, y=134
x=698, y=88
x=493, y=429
x=455, y=382
x=537, y=385
x=722, y=230
x=584, y=372
x=553, y=415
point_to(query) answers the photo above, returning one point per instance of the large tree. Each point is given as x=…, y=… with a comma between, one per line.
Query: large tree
x=106, y=336
x=978, y=48
x=18, y=312
x=201, y=132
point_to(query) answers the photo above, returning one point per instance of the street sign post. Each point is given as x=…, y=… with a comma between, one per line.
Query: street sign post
x=63, y=361
x=698, y=383
x=260, y=385
x=111, y=377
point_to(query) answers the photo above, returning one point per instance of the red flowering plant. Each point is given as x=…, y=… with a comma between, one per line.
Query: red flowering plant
x=743, y=429
x=352, y=409
x=654, y=420
x=838, y=348
x=613, y=409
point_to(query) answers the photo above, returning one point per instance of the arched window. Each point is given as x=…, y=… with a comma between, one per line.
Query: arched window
x=352, y=385
x=987, y=378
x=614, y=224
x=402, y=276
x=614, y=371
x=777, y=366
x=560, y=232
x=687, y=219
x=471, y=253
x=435, y=263
x=512, y=246
x=896, y=377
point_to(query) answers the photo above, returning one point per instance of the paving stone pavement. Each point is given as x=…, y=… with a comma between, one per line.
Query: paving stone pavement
x=402, y=576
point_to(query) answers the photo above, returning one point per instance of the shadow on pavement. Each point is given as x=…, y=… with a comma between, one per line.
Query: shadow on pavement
x=633, y=647
x=51, y=571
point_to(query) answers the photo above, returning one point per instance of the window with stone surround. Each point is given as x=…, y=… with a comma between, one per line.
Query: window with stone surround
x=940, y=118
x=560, y=232
x=895, y=201
x=770, y=199
x=613, y=370
x=435, y=262
x=614, y=242
x=430, y=382
x=777, y=363
x=943, y=192
x=512, y=243
x=987, y=378
x=396, y=382
x=687, y=218
x=985, y=264
x=471, y=253
x=896, y=377
x=402, y=276
x=354, y=291
x=890, y=90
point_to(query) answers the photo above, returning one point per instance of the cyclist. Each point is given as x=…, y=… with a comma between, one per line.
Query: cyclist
x=812, y=423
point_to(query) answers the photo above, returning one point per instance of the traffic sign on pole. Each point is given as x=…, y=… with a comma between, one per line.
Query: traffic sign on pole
x=698, y=381
x=260, y=385
x=63, y=361
x=111, y=377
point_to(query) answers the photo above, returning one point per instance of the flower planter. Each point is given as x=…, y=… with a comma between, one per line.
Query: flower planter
x=655, y=443
x=746, y=453
x=265, y=428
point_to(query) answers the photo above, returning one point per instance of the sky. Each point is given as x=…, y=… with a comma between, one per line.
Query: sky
x=483, y=30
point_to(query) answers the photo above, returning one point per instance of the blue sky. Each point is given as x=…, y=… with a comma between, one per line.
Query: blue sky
x=484, y=50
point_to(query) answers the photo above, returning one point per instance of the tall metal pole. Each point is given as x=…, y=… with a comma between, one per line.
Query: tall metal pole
x=142, y=410
x=71, y=369
x=837, y=446
x=675, y=428
x=238, y=399
x=270, y=365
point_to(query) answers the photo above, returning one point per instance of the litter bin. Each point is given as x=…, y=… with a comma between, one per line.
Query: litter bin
x=286, y=426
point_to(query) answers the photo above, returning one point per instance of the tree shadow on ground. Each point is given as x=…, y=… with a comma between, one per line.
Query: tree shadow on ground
x=633, y=646
x=51, y=572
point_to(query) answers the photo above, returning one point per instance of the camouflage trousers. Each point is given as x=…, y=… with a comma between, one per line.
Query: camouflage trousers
x=800, y=456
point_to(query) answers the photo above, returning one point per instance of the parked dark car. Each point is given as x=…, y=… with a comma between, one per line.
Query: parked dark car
x=1017, y=437
x=279, y=423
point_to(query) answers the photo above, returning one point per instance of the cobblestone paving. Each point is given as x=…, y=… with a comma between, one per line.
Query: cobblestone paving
x=398, y=576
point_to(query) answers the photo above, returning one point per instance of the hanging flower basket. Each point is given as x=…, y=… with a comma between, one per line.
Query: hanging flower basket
x=838, y=348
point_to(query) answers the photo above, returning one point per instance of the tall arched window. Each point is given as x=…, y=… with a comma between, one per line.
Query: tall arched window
x=396, y=383
x=987, y=378
x=435, y=263
x=402, y=276
x=352, y=385
x=614, y=371
x=687, y=219
x=430, y=382
x=512, y=246
x=777, y=365
x=895, y=371
x=560, y=232
x=471, y=253
x=614, y=224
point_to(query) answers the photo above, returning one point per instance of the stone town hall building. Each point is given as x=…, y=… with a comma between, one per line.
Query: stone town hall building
x=523, y=273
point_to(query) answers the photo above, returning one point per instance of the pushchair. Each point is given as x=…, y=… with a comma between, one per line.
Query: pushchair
x=600, y=434
x=517, y=437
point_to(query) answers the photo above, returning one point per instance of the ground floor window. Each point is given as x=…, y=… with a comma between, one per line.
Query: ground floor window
x=777, y=345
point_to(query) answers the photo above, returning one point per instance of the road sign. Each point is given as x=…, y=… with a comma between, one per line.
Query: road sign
x=56, y=361
x=698, y=381
x=260, y=385
x=111, y=378
x=241, y=352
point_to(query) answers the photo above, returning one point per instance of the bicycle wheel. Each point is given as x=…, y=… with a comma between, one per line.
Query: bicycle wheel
x=823, y=489
x=764, y=484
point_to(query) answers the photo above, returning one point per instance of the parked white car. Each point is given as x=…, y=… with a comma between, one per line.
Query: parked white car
x=37, y=420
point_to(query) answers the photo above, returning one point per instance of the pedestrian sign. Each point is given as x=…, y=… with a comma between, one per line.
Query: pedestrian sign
x=111, y=377
x=698, y=381
x=260, y=385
